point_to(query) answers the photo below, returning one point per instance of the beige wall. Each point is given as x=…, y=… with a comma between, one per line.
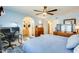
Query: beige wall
x=52, y=24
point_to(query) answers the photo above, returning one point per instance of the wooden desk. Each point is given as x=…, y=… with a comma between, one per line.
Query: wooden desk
x=65, y=34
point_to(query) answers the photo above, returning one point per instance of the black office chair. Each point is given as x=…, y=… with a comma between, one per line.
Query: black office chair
x=6, y=32
x=12, y=36
x=1, y=36
x=9, y=39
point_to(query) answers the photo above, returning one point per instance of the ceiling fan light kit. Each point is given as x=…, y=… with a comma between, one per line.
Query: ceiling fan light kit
x=44, y=14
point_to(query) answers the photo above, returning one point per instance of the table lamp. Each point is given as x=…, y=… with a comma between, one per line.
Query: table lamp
x=77, y=28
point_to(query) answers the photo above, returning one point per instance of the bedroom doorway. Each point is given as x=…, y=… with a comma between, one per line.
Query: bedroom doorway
x=50, y=29
x=28, y=27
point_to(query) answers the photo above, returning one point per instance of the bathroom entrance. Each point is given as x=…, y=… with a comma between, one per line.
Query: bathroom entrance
x=28, y=27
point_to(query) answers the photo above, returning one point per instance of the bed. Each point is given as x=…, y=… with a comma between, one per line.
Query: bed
x=46, y=44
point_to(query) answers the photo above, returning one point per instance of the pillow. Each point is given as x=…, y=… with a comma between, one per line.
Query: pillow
x=76, y=49
x=72, y=42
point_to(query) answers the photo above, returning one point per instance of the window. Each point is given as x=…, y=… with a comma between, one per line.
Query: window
x=65, y=27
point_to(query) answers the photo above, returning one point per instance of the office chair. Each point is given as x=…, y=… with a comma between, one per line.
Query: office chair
x=12, y=36
x=1, y=36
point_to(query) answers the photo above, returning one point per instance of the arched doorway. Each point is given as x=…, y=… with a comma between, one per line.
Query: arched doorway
x=28, y=27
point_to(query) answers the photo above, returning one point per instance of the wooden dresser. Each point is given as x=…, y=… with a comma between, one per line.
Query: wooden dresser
x=39, y=30
x=65, y=34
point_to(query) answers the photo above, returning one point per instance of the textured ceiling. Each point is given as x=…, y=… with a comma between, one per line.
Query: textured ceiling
x=28, y=10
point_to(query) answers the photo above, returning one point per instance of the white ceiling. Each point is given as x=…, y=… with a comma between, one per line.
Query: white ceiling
x=28, y=10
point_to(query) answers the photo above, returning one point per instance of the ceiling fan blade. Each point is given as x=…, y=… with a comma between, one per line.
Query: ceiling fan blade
x=52, y=10
x=38, y=13
x=37, y=10
x=50, y=13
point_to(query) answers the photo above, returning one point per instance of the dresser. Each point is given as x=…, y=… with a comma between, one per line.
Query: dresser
x=39, y=30
x=65, y=34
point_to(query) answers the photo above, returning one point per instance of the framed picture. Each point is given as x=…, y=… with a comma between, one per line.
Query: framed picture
x=69, y=21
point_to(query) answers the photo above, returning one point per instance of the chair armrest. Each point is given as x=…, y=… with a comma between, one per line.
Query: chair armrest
x=20, y=39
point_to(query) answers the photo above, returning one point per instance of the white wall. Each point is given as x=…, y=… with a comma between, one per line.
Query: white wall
x=12, y=16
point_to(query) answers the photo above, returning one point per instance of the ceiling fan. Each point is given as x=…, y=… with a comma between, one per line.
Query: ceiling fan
x=45, y=11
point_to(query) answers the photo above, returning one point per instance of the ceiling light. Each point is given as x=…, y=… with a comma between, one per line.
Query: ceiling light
x=44, y=14
x=40, y=22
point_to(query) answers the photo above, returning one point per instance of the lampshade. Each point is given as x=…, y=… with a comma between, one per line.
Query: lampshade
x=77, y=27
x=44, y=14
